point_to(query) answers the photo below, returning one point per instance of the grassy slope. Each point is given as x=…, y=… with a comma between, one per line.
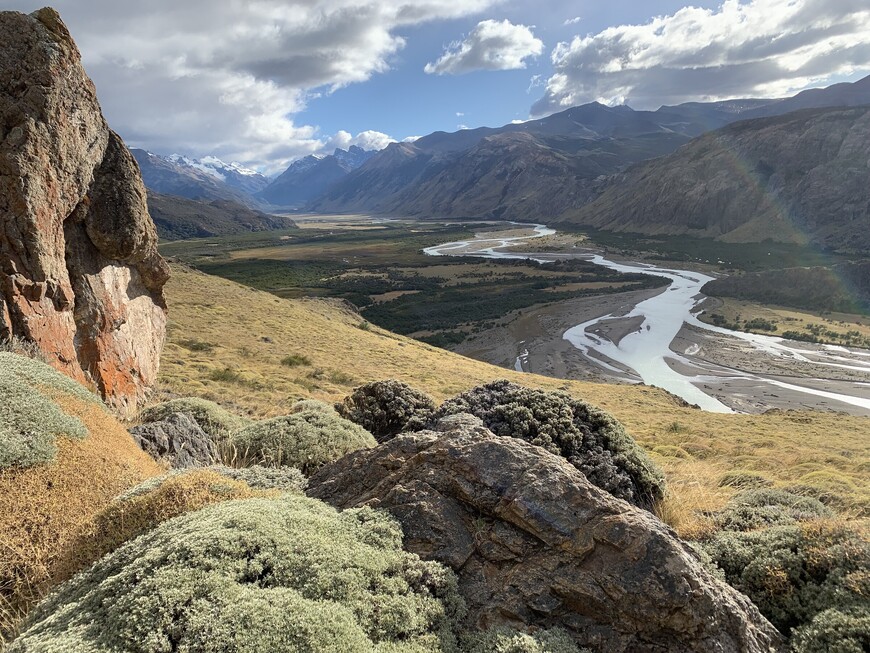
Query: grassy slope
x=250, y=332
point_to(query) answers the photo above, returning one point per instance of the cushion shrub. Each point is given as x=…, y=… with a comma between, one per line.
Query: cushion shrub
x=289, y=574
x=150, y=503
x=753, y=509
x=503, y=640
x=30, y=419
x=793, y=573
x=385, y=408
x=835, y=631
x=589, y=438
x=305, y=440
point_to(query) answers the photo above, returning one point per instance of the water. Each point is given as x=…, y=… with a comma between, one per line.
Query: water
x=647, y=352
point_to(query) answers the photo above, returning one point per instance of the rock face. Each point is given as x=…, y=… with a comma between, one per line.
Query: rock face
x=79, y=270
x=536, y=545
x=178, y=439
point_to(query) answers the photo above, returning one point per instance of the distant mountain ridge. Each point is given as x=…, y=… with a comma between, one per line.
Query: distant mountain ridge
x=543, y=169
x=801, y=177
x=310, y=176
x=206, y=179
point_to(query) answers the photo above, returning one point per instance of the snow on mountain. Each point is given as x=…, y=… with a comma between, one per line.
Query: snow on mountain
x=310, y=176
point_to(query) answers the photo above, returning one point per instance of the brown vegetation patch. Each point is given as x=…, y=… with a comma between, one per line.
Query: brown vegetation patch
x=127, y=518
x=43, y=509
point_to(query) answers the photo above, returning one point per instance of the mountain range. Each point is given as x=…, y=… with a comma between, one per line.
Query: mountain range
x=544, y=169
x=178, y=218
x=210, y=179
x=309, y=177
x=801, y=177
x=561, y=168
x=206, y=179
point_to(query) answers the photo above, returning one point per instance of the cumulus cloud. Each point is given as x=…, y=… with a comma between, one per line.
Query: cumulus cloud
x=755, y=48
x=367, y=140
x=226, y=78
x=492, y=45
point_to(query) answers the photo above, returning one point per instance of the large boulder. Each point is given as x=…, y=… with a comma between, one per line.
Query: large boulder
x=536, y=545
x=79, y=270
x=178, y=440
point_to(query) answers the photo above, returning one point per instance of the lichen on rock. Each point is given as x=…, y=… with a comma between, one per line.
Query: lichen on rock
x=80, y=275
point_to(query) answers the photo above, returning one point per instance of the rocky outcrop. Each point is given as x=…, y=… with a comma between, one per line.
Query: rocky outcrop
x=79, y=270
x=536, y=545
x=178, y=439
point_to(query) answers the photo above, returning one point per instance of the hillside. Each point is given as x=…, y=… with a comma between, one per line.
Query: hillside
x=178, y=218
x=227, y=342
x=543, y=167
x=799, y=178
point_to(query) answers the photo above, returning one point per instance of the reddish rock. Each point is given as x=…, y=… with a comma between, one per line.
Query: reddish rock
x=79, y=270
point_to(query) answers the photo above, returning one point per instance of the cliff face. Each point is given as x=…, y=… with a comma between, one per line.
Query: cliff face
x=79, y=270
x=801, y=177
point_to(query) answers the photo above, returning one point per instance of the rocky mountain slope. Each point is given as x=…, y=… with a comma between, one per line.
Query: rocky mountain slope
x=541, y=167
x=80, y=275
x=177, y=218
x=800, y=177
x=310, y=176
x=210, y=179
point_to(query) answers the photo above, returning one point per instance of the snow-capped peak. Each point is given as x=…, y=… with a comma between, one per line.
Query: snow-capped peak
x=213, y=166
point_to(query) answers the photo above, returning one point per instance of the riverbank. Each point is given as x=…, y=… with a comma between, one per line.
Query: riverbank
x=654, y=337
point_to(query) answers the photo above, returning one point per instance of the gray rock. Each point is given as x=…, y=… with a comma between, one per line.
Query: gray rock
x=536, y=545
x=178, y=439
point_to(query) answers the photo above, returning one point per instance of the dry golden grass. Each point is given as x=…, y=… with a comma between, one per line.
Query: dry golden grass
x=44, y=509
x=251, y=332
x=126, y=519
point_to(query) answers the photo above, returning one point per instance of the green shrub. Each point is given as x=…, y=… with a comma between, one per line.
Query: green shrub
x=30, y=421
x=385, y=408
x=590, y=439
x=835, y=631
x=743, y=479
x=212, y=418
x=295, y=360
x=753, y=509
x=288, y=574
x=502, y=640
x=793, y=573
x=285, y=479
x=305, y=440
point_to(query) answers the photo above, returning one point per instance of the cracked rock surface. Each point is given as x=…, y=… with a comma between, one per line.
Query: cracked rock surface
x=536, y=545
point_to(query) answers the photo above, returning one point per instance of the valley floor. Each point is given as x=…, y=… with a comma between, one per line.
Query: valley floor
x=536, y=336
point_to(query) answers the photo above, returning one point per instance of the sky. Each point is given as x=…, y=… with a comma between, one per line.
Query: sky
x=264, y=82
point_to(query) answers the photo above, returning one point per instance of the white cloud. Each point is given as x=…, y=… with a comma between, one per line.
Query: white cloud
x=226, y=78
x=459, y=114
x=367, y=140
x=492, y=45
x=411, y=139
x=758, y=48
x=572, y=21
